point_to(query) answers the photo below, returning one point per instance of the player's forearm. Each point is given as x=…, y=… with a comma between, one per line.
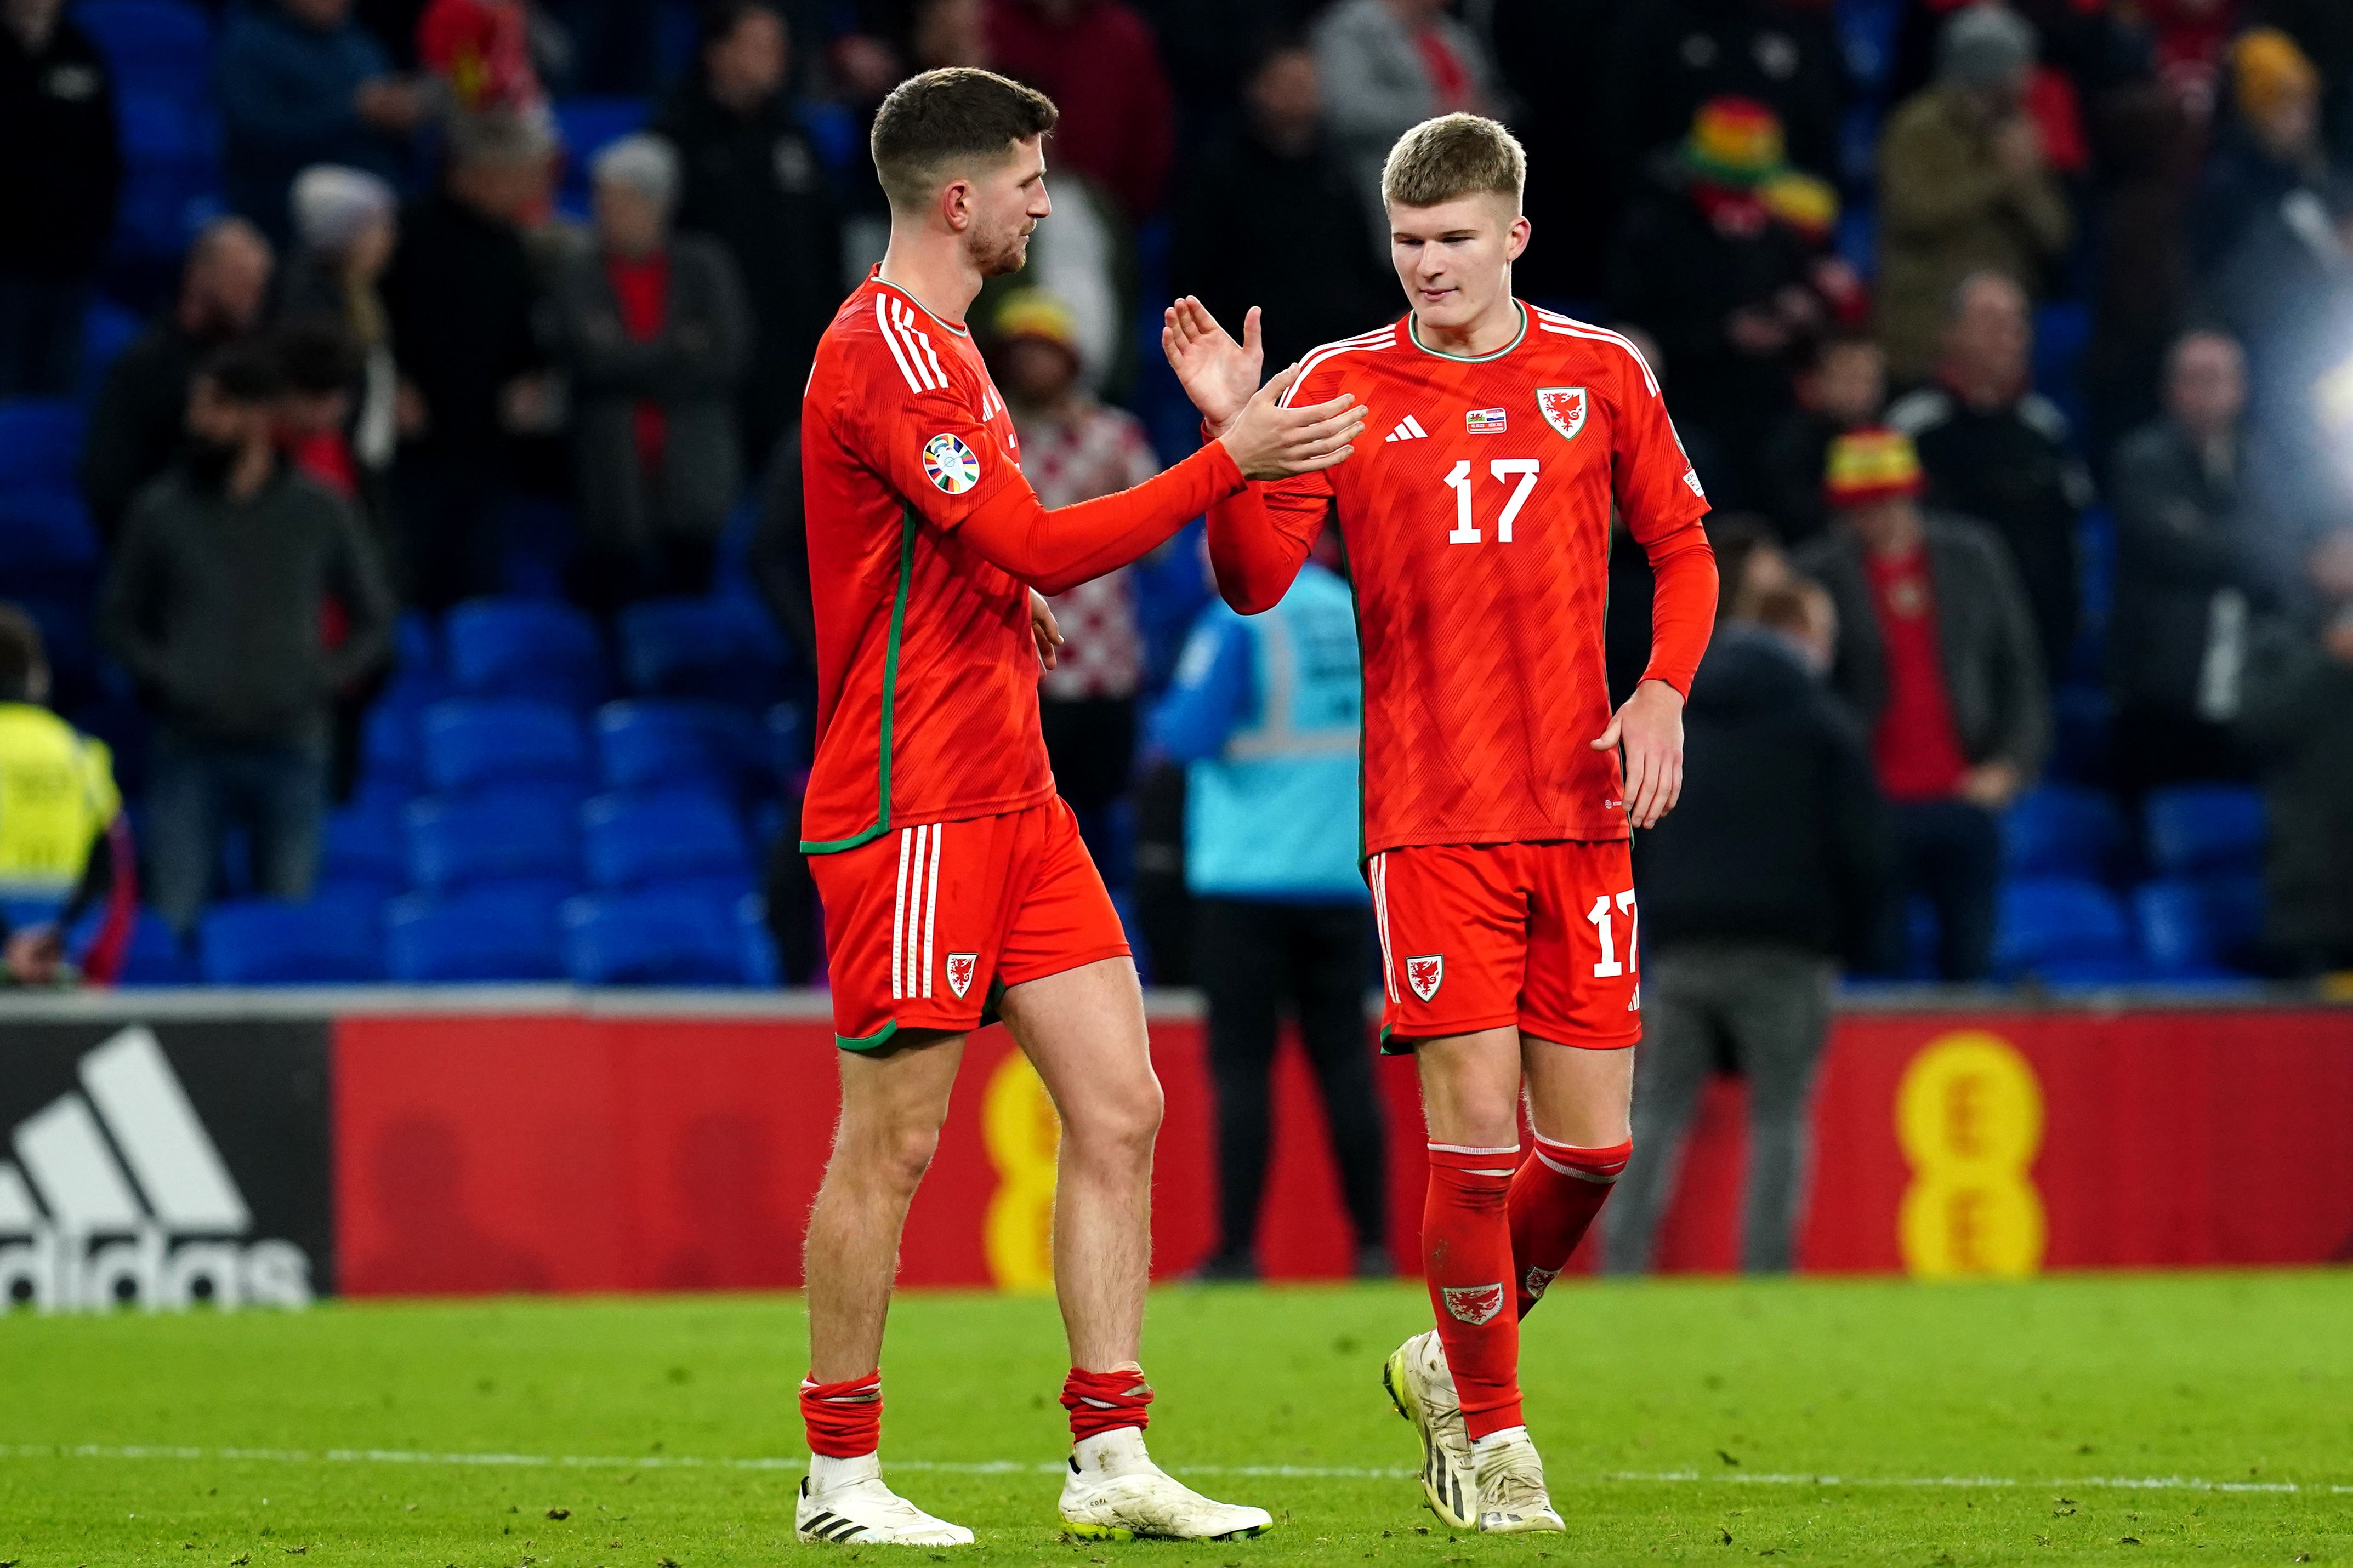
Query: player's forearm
x=1254, y=560
x=1682, y=605
x=1056, y=551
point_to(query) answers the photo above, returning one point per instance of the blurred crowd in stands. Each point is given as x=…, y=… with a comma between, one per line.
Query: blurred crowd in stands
x=347, y=343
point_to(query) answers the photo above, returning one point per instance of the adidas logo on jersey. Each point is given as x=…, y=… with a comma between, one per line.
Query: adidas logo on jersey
x=1409, y=429
x=134, y=1203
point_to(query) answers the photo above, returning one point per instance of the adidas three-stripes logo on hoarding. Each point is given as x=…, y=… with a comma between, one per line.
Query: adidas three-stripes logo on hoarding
x=120, y=1196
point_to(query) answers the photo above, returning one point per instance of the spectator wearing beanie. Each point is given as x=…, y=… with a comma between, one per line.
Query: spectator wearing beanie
x=1937, y=655
x=480, y=51
x=1964, y=186
x=55, y=96
x=654, y=335
x=2267, y=150
x=1716, y=263
x=1670, y=57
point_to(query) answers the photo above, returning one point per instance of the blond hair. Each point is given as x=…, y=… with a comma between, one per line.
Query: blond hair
x=1453, y=157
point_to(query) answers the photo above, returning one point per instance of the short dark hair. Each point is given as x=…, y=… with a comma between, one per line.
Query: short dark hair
x=953, y=115
x=245, y=372
x=21, y=655
x=316, y=356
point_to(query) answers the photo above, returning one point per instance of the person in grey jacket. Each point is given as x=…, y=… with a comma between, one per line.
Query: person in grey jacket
x=1380, y=61
x=2197, y=566
x=655, y=334
x=1936, y=654
x=214, y=603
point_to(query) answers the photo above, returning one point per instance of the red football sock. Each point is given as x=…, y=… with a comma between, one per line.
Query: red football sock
x=1466, y=1253
x=844, y=1419
x=1559, y=1189
x=1101, y=1401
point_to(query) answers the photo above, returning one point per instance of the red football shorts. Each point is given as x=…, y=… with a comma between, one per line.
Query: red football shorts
x=923, y=926
x=1479, y=936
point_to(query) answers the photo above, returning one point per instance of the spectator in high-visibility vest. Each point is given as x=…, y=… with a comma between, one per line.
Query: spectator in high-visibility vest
x=59, y=807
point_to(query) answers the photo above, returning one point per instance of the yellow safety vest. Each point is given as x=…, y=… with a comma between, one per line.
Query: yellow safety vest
x=56, y=795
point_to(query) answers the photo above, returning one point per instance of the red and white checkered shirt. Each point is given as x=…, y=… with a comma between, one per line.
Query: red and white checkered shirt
x=1094, y=452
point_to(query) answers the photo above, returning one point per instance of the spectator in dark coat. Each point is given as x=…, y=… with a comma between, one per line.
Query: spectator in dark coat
x=2268, y=150
x=1773, y=869
x=2141, y=296
x=2197, y=564
x=1936, y=654
x=2298, y=717
x=1841, y=387
x=1711, y=263
x=1097, y=60
x=1312, y=264
x=654, y=334
x=1672, y=55
x=461, y=295
x=57, y=187
x=1998, y=452
x=300, y=83
x=141, y=414
x=753, y=181
x=215, y=602
x=1965, y=186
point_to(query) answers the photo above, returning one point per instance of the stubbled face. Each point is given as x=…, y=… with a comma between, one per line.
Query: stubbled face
x=1455, y=259
x=228, y=281
x=1004, y=205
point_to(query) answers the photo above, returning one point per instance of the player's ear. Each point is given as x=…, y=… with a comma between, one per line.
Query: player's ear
x=955, y=205
x=1516, y=238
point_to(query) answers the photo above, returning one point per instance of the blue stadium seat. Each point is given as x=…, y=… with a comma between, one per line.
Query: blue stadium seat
x=390, y=752
x=495, y=933
x=588, y=125
x=650, y=744
x=46, y=545
x=2199, y=928
x=723, y=649
x=153, y=47
x=40, y=442
x=651, y=938
x=2082, y=718
x=463, y=843
x=363, y=848
x=760, y=965
x=2206, y=829
x=415, y=645
x=107, y=329
x=264, y=942
x=525, y=648
x=2060, y=928
x=638, y=842
x=476, y=742
x=2062, y=830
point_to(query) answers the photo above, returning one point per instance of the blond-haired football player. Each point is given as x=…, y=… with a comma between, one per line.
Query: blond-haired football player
x=1496, y=808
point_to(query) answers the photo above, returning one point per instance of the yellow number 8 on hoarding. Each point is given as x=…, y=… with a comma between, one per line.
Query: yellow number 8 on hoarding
x=1968, y=1115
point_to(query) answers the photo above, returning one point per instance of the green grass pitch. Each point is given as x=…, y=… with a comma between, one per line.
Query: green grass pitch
x=1805, y=1421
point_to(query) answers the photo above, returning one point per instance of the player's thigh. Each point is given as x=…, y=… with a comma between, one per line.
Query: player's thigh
x=895, y=1100
x=1083, y=1030
x=1470, y=1090
x=1578, y=1094
x=1583, y=987
x=1452, y=923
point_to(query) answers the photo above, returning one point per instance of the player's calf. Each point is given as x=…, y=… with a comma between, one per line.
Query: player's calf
x=1554, y=1199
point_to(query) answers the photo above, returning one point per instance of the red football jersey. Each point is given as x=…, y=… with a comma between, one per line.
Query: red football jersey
x=1476, y=511
x=927, y=673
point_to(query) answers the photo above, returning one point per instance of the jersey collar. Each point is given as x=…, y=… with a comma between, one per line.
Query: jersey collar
x=1413, y=335
x=876, y=277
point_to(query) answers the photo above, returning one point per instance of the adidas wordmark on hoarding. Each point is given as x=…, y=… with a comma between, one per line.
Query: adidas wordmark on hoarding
x=119, y=1196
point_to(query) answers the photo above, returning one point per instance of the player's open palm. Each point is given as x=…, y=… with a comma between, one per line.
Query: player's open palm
x=1268, y=441
x=1217, y=373
x=1650, y=729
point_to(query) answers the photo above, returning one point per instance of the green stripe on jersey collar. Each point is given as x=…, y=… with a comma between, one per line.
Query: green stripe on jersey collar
x=1413, y=331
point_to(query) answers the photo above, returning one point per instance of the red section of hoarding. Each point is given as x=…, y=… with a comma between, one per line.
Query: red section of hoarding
x=580, y=1153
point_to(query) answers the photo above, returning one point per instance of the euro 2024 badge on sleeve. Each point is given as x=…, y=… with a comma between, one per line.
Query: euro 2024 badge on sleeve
x=1563, y=408
x=950, y=463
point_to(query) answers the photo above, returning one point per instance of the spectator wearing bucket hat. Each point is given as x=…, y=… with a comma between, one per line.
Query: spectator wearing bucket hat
x=1721, y=261
x=1936, y=654
x=1074, y=448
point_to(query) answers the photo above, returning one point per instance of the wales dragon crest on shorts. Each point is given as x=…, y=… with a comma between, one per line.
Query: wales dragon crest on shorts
x=1426, y=974
x=960, y=970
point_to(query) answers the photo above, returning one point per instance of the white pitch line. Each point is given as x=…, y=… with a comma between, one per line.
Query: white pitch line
x=1016, y=1467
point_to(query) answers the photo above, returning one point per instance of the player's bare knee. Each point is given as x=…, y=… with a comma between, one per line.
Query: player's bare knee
x=1119, y=1124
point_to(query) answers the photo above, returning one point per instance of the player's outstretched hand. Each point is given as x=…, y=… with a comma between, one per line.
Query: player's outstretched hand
x=1046, y=629
x=1268, y=441
x=1217, y=373
x=1651, y=728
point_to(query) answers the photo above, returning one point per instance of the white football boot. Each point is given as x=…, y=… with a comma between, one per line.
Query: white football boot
x=1422, y=1386
x=1512, y=1496
x=1113, y=1492
x=857, y=1509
